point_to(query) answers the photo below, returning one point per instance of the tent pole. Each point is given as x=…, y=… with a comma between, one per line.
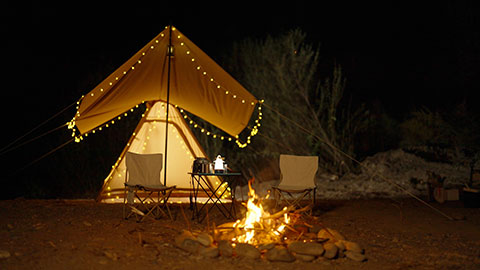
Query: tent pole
x=169, y=55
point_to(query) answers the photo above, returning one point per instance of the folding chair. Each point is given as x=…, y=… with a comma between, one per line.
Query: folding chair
x=146, y=197
x=297, y=180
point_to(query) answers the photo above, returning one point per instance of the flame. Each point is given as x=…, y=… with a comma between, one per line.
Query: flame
x=257, y=227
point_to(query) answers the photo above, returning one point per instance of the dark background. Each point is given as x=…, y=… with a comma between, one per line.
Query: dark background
x=396, y=56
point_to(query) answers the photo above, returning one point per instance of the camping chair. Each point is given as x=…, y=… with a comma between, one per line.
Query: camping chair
x=297, y=180
x=146, y=195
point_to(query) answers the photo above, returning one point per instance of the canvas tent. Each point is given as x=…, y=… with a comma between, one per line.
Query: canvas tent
x=148, y=138
x=169, y=69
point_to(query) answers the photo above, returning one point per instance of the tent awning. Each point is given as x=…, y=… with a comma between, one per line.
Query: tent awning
x=197, y=84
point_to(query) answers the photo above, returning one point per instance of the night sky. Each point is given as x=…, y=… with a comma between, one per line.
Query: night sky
x=395, y=56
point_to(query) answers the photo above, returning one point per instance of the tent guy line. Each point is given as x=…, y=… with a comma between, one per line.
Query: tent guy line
x=31, y=140
x=9, y=147
x=361, y=165
x=42, y=157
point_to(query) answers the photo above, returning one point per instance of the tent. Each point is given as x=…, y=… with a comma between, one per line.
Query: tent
x=148, y=138
x=170, y=69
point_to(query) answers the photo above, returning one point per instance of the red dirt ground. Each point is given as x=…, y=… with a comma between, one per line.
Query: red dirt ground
x=58, y=234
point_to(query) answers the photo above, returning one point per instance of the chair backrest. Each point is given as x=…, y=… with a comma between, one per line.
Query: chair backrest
x=144, y=169
x=298, y=171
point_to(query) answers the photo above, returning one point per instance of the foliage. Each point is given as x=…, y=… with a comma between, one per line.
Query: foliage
x=455, y=132
x=303, y=114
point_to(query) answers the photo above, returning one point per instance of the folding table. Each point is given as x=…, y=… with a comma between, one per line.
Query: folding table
x=200, y=183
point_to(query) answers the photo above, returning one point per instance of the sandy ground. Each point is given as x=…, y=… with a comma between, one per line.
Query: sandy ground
x=58, y=234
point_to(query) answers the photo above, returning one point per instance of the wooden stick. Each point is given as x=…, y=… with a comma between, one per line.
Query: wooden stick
x=280, y=213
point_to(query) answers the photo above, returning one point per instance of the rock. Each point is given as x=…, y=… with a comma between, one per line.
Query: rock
x=187, y=242
x=4, y=254
x=305, y=258
x=226, y=235
x=266, y=246
x=352, y=246
x=340, y=245
x=331, y=250
x=359, y=257
x=247, y=251
x=279, y=254
x=225, y=248
x=205, y=239
x=111, y=255
x=331, y=234
x=306, y=248
x=209, y=252
x=88, y=224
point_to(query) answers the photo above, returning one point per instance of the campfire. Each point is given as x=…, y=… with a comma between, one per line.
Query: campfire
x=286, y=235
x=259, y=226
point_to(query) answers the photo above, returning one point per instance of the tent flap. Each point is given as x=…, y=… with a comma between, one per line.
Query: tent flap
x=197, y=84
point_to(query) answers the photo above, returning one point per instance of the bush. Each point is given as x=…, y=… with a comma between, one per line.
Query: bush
x=304, y=113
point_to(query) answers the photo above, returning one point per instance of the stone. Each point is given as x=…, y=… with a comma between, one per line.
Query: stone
x=331, y=234
x=111, y=255
x=305, y=258
x=279, y=254
x=331, y=250
x=187, y=242
x=268, y=246
x=181, y=237
x=209, y=252
x=358, y=257
x=86, y=223
x=352, y=246
x=205, y=239
x=4, y=254
x=225, y=248
x=247, y=251
x=306, y=248
x=340, y=245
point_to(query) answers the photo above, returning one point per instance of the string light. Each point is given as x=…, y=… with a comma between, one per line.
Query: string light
x=71, y=124
x=253, y=131
x=196, y=66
